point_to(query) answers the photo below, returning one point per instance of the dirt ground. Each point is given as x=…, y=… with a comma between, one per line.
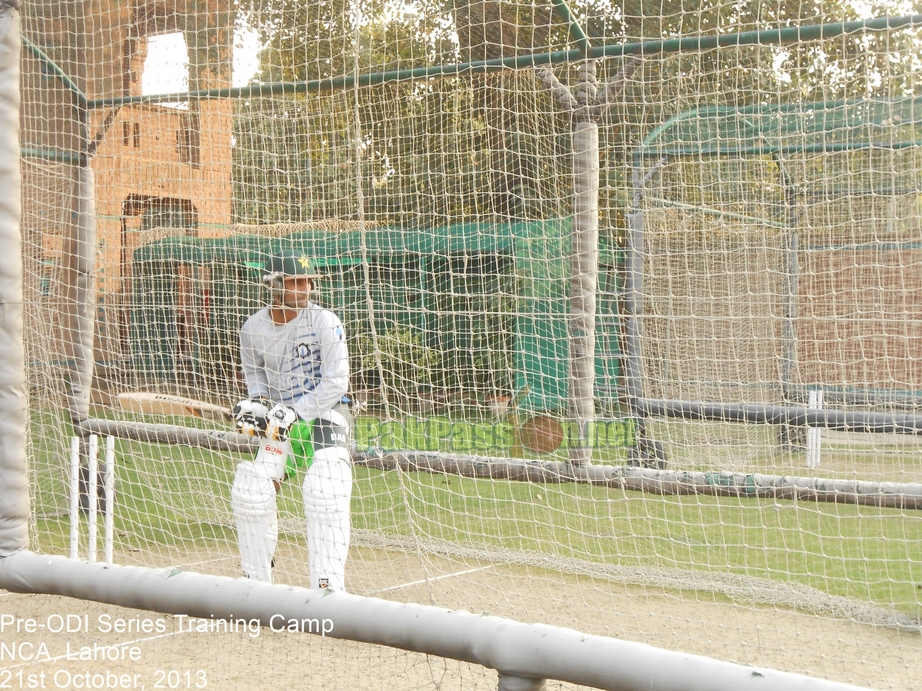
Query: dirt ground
x=160, y=651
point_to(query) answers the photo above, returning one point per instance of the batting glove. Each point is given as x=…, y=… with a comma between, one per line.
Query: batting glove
x=251, y=415
x=281, y=418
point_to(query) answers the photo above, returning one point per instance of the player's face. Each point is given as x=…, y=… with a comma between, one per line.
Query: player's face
x=297, y=292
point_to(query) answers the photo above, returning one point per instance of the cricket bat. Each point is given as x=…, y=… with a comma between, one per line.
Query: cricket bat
x=167, y=404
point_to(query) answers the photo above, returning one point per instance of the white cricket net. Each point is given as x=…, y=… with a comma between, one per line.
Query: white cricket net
x=781, y=253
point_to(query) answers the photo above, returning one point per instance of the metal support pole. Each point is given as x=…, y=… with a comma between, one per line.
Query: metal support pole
x=584, y=275
x=14, y=480
x=509, y=683
x=792, y=438
x=646, y=452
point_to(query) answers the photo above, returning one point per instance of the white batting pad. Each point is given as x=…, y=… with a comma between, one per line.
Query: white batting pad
x=253, y=500
x=327, y=494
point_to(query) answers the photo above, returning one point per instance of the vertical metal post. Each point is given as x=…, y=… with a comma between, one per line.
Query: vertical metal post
x=509, y=683
x=789, y=298
x=80, y=271
x=81, y=292
x=109, y=475
x=92, y=496
x=646, y=451
x=633, y=298
x=792, y=437
x=584, y=274
x=74, y=497
x=82, y=275
x=14, y=484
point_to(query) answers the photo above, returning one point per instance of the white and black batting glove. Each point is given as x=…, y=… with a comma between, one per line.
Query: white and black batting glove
x=281, y=418
x=251, y=416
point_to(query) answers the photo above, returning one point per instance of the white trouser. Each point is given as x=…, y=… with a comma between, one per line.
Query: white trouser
x=327, y=494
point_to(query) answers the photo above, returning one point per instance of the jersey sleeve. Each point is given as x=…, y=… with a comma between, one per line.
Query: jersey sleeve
x=252, y=362
x=334, y=371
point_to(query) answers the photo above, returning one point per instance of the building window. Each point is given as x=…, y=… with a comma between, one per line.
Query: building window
x=166, y=66
x=137, y=135
x=188, y=139
x=165, y=212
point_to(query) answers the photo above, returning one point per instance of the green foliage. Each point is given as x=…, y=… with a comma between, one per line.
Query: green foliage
x=406, y=361
x=428, y=153
x=476, y=304
x=479, y=346
x=861, y=65
x=425, y=153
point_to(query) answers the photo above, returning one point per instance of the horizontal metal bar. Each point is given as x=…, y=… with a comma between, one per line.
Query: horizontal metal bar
x=56, y=155
x=347, y=82
x=717, y=212
x=688, y=44
x=840, y=420
x=217, y=440
x=512, y=648
x=43, y=57
x=791, y=34
x=656, y=481
x=770, y=150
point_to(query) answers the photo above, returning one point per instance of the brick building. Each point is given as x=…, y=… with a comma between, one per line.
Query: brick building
x=157, y=168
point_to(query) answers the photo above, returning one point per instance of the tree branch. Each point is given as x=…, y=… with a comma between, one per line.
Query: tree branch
x=559, y=91
x=611, y=90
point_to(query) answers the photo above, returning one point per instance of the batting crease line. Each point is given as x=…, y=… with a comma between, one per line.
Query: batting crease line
x=429, y=580
x=209, y=561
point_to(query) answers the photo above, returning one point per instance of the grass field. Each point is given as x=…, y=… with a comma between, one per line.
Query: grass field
x=179, y=497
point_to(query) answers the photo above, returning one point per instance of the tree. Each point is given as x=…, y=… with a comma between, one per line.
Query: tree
x=432, y=152
x=482, y=146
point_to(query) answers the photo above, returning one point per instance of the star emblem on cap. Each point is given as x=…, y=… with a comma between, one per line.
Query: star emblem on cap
x=304, y=262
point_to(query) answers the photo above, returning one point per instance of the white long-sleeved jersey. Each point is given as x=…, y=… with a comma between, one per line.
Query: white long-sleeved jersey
x=303, y=364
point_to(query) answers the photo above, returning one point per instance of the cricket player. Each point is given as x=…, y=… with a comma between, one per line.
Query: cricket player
x=296, y=366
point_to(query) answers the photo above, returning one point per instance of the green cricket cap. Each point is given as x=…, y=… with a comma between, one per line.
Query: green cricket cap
x=289, y=265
